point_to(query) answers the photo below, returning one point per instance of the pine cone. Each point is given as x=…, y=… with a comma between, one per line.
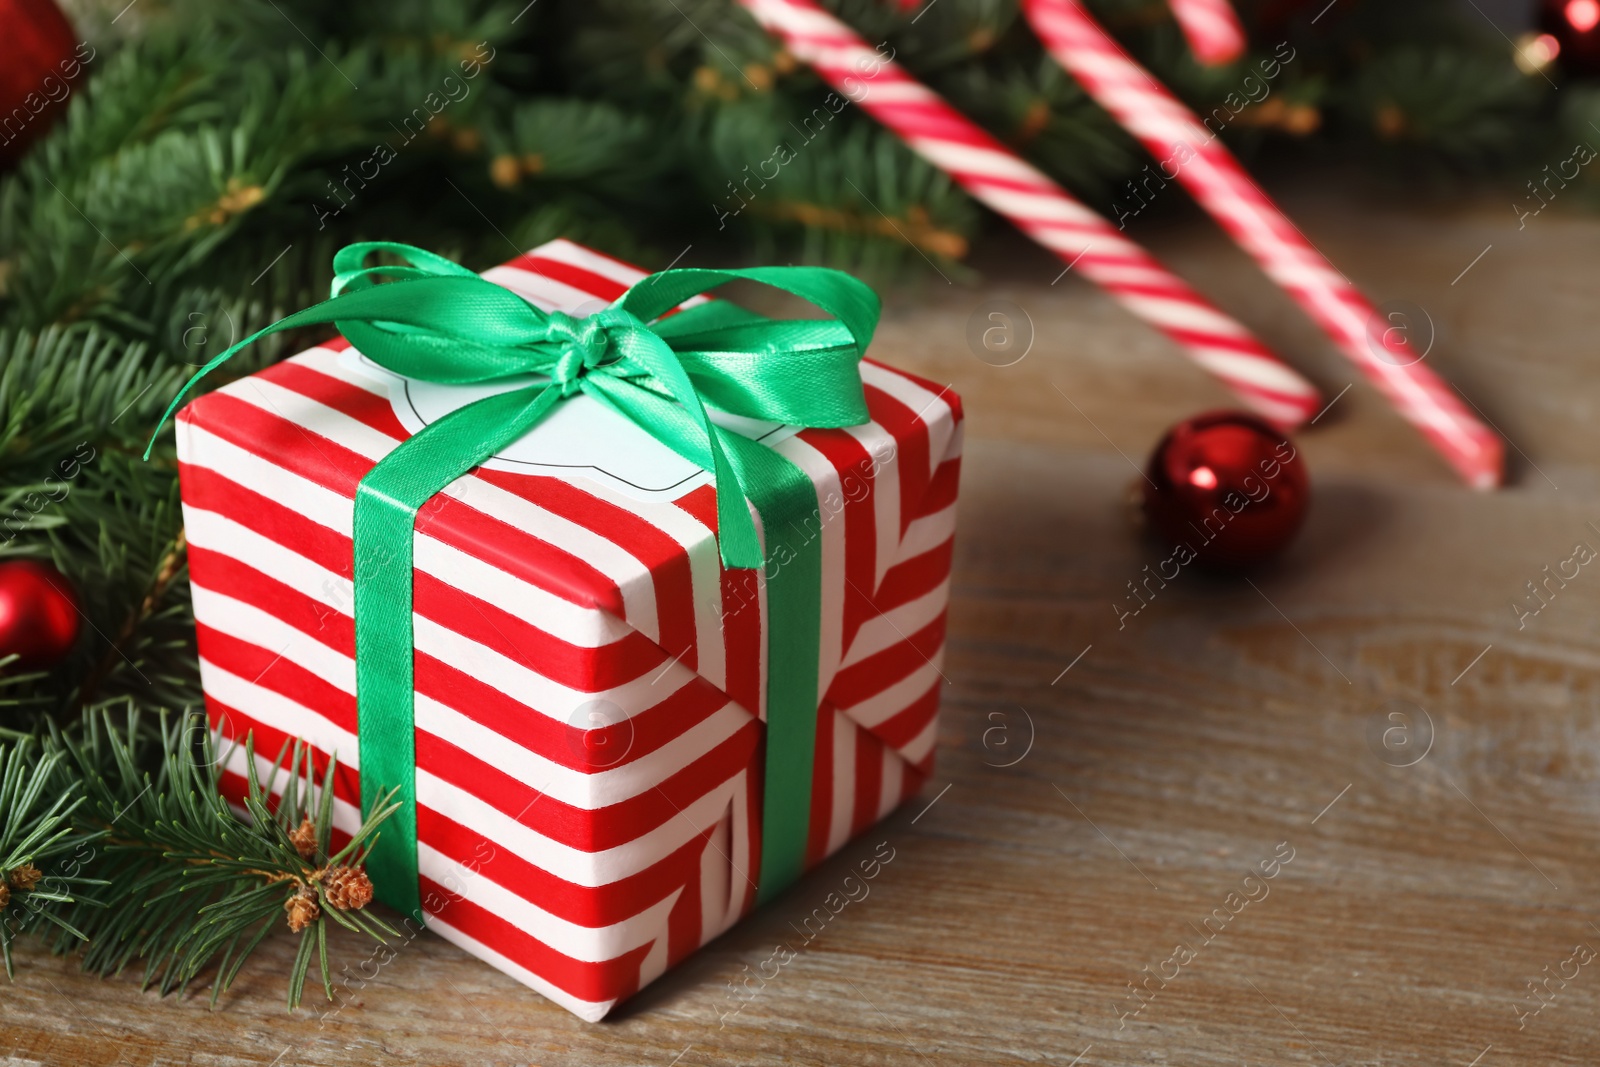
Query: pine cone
x=1390, y=122
x=302, y=909
x=25, y=877
x=5, y=895
x=347, y=888
x=304, y=838
x=505, y=172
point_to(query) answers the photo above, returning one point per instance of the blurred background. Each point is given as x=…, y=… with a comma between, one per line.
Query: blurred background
x=212, y=135
x=177, y=175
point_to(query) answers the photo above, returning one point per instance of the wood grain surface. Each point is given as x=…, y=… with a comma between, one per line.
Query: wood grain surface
x=1084, y=823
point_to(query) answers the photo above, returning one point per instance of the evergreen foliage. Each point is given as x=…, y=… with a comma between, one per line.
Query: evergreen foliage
x=139, y=857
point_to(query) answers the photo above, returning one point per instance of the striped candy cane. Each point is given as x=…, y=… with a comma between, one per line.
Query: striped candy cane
x=999, y=178
x=1214, y=177
x=1212, y=29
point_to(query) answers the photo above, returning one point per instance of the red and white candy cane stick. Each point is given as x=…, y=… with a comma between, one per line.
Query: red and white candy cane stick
x=1211, y=28
x=997, y=176
x=1214, y=177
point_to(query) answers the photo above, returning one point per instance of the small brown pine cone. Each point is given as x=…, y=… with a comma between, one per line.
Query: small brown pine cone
x=759, y=75
x=5, y=895
x=304, y=838
x=25, y=877
x=347, y=888
x=505, y=171
x=1302, y=119
x=302, y=909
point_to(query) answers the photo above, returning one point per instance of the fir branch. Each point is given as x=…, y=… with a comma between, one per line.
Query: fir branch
x=647, y=51
x=846, y=193
x=64, y=387
x=566, y=140
x=171, y=566
x=954, y=32
x=103, y=232
x=915, y=227
x=192, y=885
x=1460, y=108
x=41, y=851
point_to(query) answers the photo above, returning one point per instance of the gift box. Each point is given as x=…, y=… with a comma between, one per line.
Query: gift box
x=589, y=677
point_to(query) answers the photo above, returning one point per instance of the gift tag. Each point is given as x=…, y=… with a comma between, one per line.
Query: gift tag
x=580, y=439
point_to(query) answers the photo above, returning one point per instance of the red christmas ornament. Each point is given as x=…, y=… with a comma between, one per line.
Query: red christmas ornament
x=1574, y=28
x=1228, y=486
x=39, y=617
x=40, y=63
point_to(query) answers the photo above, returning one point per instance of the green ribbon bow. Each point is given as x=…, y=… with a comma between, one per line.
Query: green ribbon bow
x=439, y=322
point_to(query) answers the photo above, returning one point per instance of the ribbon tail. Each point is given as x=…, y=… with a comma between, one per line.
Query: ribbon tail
x=423, y=326
x=311, y=316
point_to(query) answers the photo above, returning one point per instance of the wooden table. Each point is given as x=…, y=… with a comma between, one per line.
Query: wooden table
x=1101, y=792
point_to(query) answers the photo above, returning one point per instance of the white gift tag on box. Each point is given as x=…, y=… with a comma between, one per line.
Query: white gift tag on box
x=579, y=438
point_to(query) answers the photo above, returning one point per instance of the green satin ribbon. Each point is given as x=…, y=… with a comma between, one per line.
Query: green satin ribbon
x=437, y=321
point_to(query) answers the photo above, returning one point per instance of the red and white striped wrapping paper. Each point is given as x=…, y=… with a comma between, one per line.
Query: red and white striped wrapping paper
x=582, y=858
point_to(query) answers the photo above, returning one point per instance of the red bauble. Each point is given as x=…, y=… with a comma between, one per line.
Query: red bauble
x=1227, y=485
x=1575, y=25
x=39, y=617
x=38, y=63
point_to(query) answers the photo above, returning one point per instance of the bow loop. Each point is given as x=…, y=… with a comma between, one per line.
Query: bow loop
x=436, y=321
